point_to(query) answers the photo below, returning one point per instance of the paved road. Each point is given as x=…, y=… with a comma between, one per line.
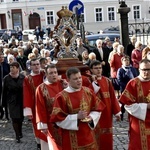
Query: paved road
x=7, y=137
x=120, y=131
x=7, y=141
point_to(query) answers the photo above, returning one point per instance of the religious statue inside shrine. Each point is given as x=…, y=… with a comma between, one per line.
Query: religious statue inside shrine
x=65, y=33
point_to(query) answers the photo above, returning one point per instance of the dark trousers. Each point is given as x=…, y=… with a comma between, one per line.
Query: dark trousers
x=17, y=125
x=1, y=112
x=6, y=112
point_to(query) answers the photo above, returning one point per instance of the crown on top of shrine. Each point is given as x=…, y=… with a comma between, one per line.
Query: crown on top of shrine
x=64, y=12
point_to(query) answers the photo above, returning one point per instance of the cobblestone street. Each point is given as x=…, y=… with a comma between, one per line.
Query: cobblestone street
x=120, y=131
x=7, y=137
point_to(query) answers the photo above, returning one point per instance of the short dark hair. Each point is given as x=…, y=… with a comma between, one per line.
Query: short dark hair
x=125, y=57
x=42, y=59
x=94, y=63
x=50, y=66
x=15, y=64
x=34, y=59
x=72, y=70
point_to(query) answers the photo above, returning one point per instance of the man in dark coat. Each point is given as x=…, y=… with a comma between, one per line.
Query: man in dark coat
x=102, y=55
x=48, y=31
x=36, y=32
x=131, y=46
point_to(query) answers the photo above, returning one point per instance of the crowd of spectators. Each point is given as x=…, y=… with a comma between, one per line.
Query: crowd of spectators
x=115, y=64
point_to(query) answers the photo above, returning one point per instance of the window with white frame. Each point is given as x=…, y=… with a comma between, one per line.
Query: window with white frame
x=136, y=12
x=111, y=13
x=50, y=17
x=99, y=14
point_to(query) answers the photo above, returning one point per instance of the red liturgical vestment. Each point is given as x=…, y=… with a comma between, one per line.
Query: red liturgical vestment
x=103, y=131
x=138, y=92
x=69, y=104
x=29, y=87
x=45, y=94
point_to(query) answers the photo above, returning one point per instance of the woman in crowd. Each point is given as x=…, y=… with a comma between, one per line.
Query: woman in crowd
x=12, y=96
x=136, y=55
x=10, y=58
x=115, y=64
x=30, y=56
x=146, y=51
x=85, y=57
x=92, y=56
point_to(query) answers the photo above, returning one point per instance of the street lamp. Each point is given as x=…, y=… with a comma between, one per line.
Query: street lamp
x=8, y=13
x=82, y=29
x=123, y=10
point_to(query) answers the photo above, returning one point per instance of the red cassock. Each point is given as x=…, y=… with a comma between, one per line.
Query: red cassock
x=45, y=94
x=29, y=86
x=85, y=81
x=139, y=131
x=104, y=133
x=70, y=103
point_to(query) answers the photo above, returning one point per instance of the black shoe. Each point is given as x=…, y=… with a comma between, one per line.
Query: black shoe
x=38, y=146
x=18, y=140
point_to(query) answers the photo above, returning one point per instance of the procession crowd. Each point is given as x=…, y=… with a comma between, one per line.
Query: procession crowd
x=72, y=111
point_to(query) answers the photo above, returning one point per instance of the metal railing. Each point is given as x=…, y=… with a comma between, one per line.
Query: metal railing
x=141, y=30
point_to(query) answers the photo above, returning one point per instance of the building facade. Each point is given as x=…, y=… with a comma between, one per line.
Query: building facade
x=98, y=14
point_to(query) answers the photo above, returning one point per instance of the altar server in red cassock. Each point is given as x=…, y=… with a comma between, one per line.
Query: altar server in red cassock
x=136, y=98
x=77, y=110
x=45, y=94
x=104, y=90
x=30, y=84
